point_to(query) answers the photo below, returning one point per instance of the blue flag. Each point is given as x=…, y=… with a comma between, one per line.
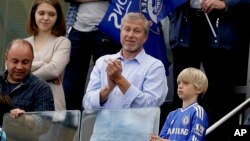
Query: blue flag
x=154, y=10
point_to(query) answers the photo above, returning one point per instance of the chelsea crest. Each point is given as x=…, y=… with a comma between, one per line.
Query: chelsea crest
x=151, y=9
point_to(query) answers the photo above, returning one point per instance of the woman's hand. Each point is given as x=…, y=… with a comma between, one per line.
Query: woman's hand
x=57, y=81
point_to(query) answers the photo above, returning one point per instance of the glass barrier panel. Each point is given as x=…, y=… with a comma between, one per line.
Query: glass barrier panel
x=134, y=124
x=43, y=126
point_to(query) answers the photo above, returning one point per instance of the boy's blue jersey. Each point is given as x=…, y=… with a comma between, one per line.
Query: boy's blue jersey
x=187, y=124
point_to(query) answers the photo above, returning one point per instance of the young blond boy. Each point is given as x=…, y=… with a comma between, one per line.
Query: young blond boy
x=191, y=121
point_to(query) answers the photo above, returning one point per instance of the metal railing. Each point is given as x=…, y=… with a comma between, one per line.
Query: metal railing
x=228, y=116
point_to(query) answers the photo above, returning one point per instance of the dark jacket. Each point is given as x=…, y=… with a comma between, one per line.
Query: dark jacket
x=232, y=30
x=33, y=94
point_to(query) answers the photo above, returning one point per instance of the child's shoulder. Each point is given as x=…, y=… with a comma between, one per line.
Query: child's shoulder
x=199, y=111
x=197, y=107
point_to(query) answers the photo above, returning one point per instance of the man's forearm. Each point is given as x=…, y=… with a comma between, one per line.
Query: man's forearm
x=123, y=84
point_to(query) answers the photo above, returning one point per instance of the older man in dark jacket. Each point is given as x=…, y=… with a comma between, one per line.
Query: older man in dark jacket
x=27, y=92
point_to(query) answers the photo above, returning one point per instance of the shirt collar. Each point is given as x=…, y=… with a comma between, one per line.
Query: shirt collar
x=139, y=57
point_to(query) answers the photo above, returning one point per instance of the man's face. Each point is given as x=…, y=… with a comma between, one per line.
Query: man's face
x=133, y=35
x=18, y=62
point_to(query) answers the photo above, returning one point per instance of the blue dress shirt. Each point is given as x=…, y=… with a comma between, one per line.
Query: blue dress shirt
x=146, y=75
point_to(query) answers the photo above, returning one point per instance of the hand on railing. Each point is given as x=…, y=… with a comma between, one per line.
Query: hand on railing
x=25, y=121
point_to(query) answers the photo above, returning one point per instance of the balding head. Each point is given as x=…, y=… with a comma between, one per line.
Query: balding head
x=19, y=56
x=20, y=43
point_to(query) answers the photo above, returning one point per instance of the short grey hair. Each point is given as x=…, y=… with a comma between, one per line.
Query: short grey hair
x=136, y=16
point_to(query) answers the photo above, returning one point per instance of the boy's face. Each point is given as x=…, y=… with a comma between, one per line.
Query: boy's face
x=187, y=91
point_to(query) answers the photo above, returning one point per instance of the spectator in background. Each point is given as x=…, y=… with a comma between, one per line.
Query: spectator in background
x=247, y=121
x=6, y=106
x=46, y=24
x=130, y=78
x=194, y=42
x=27, y=92
x=86, y=42
x=191, y=121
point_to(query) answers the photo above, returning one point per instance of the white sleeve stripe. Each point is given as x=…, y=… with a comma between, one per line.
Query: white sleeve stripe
x=199, y=111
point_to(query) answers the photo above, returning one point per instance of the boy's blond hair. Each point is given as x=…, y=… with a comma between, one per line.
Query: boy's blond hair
x=195, y=77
